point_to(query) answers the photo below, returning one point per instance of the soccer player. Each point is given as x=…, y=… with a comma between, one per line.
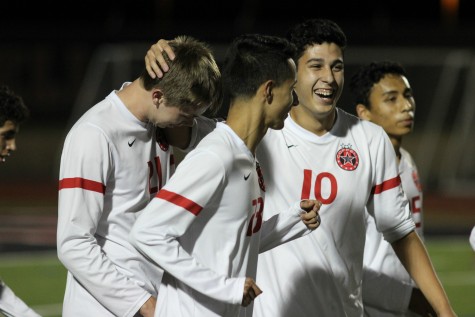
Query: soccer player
x=115, y=159
x=383, y=95
x=349, y=165
x=205, y=227
x=13, y=112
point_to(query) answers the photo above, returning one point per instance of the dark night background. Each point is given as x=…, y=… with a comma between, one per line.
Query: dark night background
x=46, y=49
x=46, y=46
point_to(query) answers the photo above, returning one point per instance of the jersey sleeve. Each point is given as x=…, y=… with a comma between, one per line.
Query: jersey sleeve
x=158, y=229
x=394, y=298
x=381, y=290
x=11, y=305
x=387, y=202
x=282, y=227
x=85, y=166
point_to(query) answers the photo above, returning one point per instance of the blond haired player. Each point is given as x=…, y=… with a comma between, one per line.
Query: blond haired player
x=114, y=160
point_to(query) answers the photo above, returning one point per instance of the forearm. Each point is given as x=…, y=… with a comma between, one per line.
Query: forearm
x=413, y=254
x=80, y=252
x=167, y=252
x=282, y=227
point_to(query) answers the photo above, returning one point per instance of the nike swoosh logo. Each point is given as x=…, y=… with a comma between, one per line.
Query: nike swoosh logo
x=246, y=177
x=292, y=145
x=131, y=143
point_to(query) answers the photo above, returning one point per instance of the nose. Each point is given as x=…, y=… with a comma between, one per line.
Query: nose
x=327, y=74
x=408, y=105
x=11, y=145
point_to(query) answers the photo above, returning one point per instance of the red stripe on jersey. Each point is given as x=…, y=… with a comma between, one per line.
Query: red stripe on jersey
x=86, y=184
x=179, y=200
x=386, y=185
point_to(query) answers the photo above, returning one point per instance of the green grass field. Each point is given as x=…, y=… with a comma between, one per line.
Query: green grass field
x=39, y=279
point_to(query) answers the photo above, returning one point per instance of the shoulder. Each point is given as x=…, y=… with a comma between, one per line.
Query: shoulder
x=98, y=114
x=366, y=129
x=406, y=158
x=217, y=146
x=405, y=154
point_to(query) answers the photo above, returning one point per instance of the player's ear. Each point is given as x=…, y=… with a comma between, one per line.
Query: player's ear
x=269, y=91
x=363, y=112
x=157, y=97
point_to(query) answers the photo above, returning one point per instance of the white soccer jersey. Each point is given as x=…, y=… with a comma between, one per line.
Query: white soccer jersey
x=111, y=167
x=11, y=305
x=348, y=168
x=205, y=228
x=387, y=286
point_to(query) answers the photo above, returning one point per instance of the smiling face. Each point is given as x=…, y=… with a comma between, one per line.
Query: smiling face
x=7, y=139
x=392, y=105
x=320, y=78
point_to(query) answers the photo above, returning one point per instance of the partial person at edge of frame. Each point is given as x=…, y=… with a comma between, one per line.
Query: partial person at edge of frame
x=13, y=112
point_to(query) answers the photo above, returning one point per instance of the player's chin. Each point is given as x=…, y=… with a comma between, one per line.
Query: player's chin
x=277, y=125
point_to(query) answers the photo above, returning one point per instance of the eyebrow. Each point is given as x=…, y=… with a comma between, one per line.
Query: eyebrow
x=9, y=134
x=392, y=91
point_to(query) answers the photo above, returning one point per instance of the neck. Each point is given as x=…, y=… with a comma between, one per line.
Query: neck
x=247, y=121
x=135, y=97
x=317, y=123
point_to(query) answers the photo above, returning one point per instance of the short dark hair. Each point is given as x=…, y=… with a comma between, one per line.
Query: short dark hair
x=12, y=107
x=252, y=59
x=369, y=75
x=315, y=31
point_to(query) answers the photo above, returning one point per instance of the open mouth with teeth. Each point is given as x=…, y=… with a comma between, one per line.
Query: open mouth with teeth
x=325, y=93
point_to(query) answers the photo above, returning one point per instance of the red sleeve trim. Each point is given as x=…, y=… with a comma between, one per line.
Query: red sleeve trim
x=386, y=185
x=78, y=182
x=179, y=200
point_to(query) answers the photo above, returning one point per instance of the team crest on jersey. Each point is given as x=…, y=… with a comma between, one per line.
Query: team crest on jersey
x=162, y=140
x=415, y=178
x=260, y=177
x=347, y=158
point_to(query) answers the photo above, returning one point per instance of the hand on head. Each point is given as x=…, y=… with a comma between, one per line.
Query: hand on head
x=154, y=61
